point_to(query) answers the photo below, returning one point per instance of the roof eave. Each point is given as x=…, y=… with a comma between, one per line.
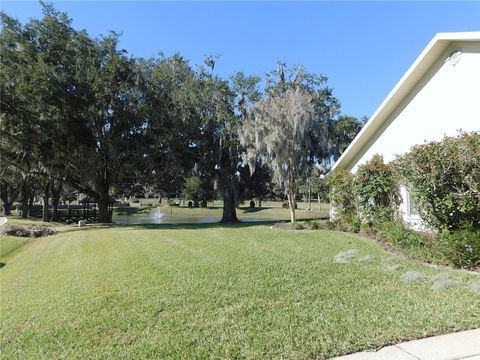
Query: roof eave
x=416, y=71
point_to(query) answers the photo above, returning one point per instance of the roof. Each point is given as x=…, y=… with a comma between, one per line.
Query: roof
x=437, y=46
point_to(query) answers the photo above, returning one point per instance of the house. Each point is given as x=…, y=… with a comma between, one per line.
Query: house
x=437, y=96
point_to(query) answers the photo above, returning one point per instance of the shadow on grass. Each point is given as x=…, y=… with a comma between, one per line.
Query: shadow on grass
x=133, y=210
x=198, y=208
x=2, y=264
x=246, y=210
x=238, y=225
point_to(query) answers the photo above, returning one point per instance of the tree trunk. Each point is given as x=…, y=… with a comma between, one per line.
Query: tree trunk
x=229, y=211
x=291, y=203
x=56, y=197
x=104, y=215
x=55, y=202
x=291, y=190
x=259, y=202
x=7, y=207
x=319, y=203
x=103, y=199
x=4, y=197
x=31, y=199
x=103, y=212
x=25, y=196
x=46, y=196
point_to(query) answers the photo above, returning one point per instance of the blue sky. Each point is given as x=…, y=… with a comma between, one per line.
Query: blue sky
x=362, y=47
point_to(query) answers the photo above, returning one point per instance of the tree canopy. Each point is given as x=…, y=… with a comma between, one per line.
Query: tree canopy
x=289, y=126
x=81, y=114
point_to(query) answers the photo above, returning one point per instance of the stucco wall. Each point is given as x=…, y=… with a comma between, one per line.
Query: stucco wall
x=445, y=100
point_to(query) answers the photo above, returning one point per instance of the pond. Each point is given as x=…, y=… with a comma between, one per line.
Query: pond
x=156, y=216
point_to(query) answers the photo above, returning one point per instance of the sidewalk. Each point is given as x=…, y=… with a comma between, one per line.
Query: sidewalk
x=456, y=346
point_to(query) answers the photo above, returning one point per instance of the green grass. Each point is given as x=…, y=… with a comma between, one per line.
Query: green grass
x=9, y=245
x=213, y=291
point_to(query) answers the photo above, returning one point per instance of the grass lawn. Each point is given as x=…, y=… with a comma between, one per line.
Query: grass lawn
x=213, y=291
x=9, y=245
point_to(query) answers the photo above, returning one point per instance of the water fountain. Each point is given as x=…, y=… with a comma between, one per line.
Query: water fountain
x=153, y=216
x=158, y=213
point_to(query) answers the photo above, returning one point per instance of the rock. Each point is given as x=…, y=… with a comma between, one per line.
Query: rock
x=82, y=223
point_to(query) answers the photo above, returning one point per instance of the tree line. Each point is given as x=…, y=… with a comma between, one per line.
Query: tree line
x=80, y=114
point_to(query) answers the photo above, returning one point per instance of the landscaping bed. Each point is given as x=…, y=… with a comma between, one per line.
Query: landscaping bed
x=450, y=250
x=27, y=231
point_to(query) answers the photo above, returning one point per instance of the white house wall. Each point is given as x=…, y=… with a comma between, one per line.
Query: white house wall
x=445, y=100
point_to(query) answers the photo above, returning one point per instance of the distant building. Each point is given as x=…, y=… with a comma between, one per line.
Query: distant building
x=437, y=96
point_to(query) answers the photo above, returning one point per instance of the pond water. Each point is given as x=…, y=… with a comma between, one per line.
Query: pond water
x=158, y=217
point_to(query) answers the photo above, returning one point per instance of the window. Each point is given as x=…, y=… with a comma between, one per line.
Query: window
x=411, y=208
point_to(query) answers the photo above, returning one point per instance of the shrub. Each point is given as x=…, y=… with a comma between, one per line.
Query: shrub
x=444, y=179
x=370, y=227
x=342, y=198
x=299, y=226
x=461, y=247
x=172, y=202
x=397, y=234
x=315, y=225
x=347, y=223
x=198, y=189
x=375, y=190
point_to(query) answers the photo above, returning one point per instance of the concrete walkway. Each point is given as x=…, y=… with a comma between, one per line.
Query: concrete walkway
x=456, y=346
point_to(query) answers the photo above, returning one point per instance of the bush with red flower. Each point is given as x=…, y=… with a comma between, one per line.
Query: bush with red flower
x=375, y=189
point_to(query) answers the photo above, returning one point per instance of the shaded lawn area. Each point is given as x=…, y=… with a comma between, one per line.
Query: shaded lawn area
x=183, y=214
x=133, y=210
x=213, y=291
